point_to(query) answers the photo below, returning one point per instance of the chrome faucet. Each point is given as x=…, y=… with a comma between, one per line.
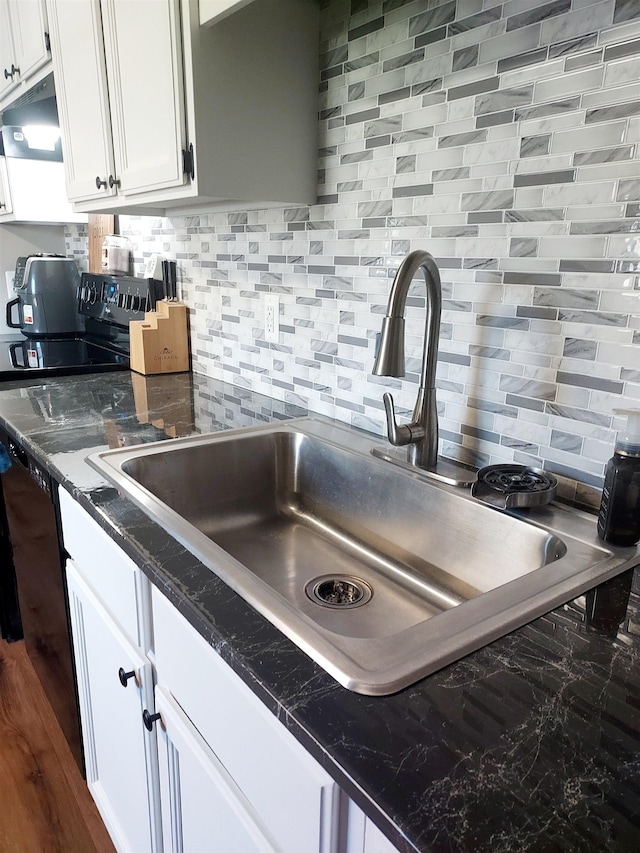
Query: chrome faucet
x=421, y=435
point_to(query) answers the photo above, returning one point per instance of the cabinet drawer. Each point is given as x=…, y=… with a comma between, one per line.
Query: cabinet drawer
x=107, y=569
x=294, y=797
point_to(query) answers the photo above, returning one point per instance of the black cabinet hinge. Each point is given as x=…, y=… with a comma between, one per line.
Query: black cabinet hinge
x=188, y=162
x=47, y=43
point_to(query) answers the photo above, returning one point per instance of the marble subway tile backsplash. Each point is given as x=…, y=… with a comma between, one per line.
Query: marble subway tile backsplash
x=504, y=138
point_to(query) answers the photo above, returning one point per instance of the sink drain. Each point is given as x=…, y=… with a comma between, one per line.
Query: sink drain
x=339, y=591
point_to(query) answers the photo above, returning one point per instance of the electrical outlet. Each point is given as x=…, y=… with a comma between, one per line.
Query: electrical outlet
x=272, y=318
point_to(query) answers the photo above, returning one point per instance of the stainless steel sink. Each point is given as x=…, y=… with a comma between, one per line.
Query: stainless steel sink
x=380, y=575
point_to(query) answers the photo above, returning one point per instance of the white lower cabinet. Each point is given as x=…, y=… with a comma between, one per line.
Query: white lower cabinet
x=116, y=744
x=109, y=612
x=214, y=771
x=202, y=807
x=288, y=797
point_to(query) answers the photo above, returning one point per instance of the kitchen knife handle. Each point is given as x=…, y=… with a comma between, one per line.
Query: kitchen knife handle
x=165, y=279
x=173, y=278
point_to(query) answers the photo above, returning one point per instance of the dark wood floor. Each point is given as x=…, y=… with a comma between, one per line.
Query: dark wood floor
x=45, y=805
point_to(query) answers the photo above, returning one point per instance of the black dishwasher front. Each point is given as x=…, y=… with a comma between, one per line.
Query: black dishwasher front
x=34, y=563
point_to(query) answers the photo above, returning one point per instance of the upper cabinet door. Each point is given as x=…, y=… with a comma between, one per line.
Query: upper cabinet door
x=28, y=27
x=144, y=67
x=81, y=90
x=7, y=56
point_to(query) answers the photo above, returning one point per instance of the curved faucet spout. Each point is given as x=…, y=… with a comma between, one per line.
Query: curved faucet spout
x=421, y=435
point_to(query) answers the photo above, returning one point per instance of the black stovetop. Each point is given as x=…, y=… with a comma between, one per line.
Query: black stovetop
x=40, y=357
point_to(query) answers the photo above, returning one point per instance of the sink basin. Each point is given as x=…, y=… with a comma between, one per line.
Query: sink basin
x=380, y=575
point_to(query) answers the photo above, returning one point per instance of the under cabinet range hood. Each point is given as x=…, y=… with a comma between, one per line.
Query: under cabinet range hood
x=35, y=106
x=32, y=142
x=30, y=126
x=32, y=174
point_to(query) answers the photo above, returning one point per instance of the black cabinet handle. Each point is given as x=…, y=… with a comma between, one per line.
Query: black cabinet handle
x=100, y=183
x=113, y=182
x=149, y=719
x=14, y=70
x=7, y=74
x=125, y=676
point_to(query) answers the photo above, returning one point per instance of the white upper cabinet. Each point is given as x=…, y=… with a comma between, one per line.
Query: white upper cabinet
x=23, y=42
x=145, y=92
x=82, y=98
x=118, y=71
x=160, y=114
x=7, y=58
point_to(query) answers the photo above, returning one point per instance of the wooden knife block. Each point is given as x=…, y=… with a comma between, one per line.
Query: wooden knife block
x=160, y=342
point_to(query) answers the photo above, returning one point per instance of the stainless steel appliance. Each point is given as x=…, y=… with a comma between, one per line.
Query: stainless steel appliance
x=46, y=303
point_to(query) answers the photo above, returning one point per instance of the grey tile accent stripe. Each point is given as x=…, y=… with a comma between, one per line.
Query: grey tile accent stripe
x=488, y=85
x=545, y=178
x=365, y=29
x=625, y=10
x=408, y=192
x=532, y=57
x=617, y=51
x=608, y=385
x=540, y=13
x=493, y=119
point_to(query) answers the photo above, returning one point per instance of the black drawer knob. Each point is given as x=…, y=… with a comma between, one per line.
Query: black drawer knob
x=125, y=676
x=100, y=183
x=113, y=182
x=149, y=719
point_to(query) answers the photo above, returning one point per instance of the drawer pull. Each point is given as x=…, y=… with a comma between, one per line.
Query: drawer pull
x=149, y=719
x=125, y=676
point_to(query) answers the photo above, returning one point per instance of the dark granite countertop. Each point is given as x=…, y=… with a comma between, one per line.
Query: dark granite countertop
x=530, y=743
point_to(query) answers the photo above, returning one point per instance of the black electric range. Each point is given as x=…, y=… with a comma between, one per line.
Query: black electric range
x=108, y=303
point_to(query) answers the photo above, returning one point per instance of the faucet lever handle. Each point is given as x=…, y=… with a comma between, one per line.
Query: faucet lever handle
x=398, y=435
